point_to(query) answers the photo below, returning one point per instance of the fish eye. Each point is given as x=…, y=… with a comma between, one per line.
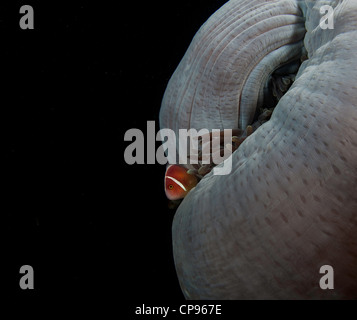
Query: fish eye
x=171, y=186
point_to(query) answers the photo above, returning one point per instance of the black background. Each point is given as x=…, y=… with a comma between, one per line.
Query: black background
x=87, y=222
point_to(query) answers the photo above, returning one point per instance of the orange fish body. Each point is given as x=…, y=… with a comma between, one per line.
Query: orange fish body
x=178, y=182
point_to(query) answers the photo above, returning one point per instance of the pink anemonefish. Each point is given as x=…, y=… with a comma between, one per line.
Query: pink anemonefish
x=178, y=182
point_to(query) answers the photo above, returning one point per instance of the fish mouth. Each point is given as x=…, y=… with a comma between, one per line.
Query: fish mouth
x=271, y=91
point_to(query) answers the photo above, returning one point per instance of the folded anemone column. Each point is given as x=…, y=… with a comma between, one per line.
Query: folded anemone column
x=289, y=206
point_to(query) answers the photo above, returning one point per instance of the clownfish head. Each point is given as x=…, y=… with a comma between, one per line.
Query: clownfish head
x=178, y=182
